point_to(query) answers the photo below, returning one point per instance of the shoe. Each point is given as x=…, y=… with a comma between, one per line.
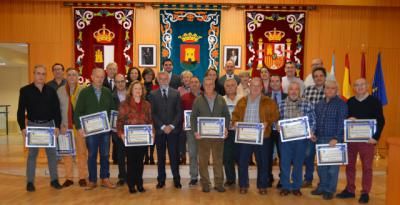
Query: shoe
x=297, y=192
x=91, y=186
x=317, y=192
x=178, y=184
x=55, y=184
x=307, y=184
x=220, y=189
x=132, y=190
x=82, y=183
x=30, y=187
x=160, y=185
x=146, y=162
x=193, y=182
x=364, y=199
x=106, y=183
x=284, y=192
x=252, y=163
x=152, y=162
x=67, y=183
x=230, y=183
x=115, y=162
x=141, y=189
x=327, y=196
x=205, y=189
x=262, y=191
x=345, y=195
x=279, y=185
x=121, y=182
x=243, y=190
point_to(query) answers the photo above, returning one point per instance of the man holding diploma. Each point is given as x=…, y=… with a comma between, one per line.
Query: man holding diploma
x=331, y=112
x=210, y=104
x=255, y=108
x=93, y=99
x=362, y=106
x=293, y=152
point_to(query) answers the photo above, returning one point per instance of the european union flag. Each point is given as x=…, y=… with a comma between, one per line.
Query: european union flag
x=378, y=86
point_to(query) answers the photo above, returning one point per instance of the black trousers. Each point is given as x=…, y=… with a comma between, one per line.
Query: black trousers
x=275, y=138
x=134, y=164
x=172, y=142
x=118, y=148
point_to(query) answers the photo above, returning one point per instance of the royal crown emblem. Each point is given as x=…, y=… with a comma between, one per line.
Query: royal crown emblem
x=104, y=35
x=274, y=35
x=190, y=37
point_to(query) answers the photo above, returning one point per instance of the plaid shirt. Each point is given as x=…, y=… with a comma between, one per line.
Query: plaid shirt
x=330, y=118
x=313, y=94
x=303, y=107
x=252, y=113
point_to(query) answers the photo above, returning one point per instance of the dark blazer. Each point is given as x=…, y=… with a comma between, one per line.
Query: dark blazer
x=166, y=112
x=283, y=95
x=108, y=85
x=175, y=81
x=116, y=99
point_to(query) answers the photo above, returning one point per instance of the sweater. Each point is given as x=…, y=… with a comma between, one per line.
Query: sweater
x=88, y=104
x=369, y=108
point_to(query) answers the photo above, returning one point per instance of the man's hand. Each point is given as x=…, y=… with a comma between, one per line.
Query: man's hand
x=63, y=129
x=333, y=142
x=352, y=118
x=167, y=129
x=265, y=124
x=372, y=141
x=81, y=133
x=56, y=132
x=197, y=135
x=23, y=132
x=313, y=138
x=226, y=133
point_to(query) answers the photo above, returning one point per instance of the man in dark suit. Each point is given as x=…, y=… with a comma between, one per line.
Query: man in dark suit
x=109, y=81
x=229, y=69
x=277, y=95
x=174, y=80
x=119, y=95
x=167, y=117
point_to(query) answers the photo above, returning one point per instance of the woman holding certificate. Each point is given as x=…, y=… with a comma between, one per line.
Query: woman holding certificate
x=297, y=117
x=135, y=110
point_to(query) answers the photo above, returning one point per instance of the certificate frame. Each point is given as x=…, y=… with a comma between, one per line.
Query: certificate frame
x=326, y=147
x=304, y=135
x=348, y=124
x=113, y=120
x=30, y=133
x=220, y=121
x=146, y=128
x=71, y=150
x=186, y=119
x=259, y=138
x=104, y=119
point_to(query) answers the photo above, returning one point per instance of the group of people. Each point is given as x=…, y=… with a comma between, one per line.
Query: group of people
x=161, y=101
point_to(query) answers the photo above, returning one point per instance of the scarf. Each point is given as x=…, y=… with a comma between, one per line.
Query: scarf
x=71, y=104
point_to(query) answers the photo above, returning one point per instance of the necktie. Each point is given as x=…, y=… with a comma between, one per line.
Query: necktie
x=164, y=94
x=276, y=97
x=111, y=84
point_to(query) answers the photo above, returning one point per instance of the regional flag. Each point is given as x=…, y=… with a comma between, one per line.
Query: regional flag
x=378, y=86
x=346, y=90
x=332, y=75
x=363, y=68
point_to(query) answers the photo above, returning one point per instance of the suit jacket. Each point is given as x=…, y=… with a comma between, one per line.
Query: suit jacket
x=116, y=98
x=108, y=85
x=175, y=81
x=166, y=112
x=283, y=95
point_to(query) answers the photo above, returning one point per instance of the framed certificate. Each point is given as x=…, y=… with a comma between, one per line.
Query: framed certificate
x=294, y=129
x=186, y=119
x=211, y=127
x=138, y=135
x=359, y=130
x=95, y=123
x=66, y=144
x=249, y=133
x=327, y=155
x=40, y=137
x=113, y=120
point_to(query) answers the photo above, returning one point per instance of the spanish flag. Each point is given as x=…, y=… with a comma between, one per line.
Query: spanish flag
x=347, y=90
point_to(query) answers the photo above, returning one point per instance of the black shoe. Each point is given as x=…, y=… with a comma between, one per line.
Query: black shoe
x=327, y=196
x=345, y=195
x=160, y=185
x=206, y=189
x=67, y=183
x=279, y=185
x=82, y=183
x=317, y=192
x=146, y=162
x=132, y=190
x=251, y=163
x=364, y=199
x=121, y=182
x=55, y=184
x=193, y=182
x=30, y=187
x=141, y=189
x=220, y=189
x=230, y=183
x=178, y=184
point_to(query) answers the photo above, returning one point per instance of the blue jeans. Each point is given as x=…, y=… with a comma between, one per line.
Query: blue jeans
x=95, y=143
x=328, y=178
x=262, y=159
x=292, y=154
x=309, y=161
x=230, y=156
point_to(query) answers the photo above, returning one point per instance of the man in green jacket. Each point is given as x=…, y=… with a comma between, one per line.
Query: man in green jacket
x=210, y=104
x=94, y=99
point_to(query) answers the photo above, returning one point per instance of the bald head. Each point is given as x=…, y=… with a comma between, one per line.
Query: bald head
x=316, y=62
x=120, y=82
x=360, y=87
